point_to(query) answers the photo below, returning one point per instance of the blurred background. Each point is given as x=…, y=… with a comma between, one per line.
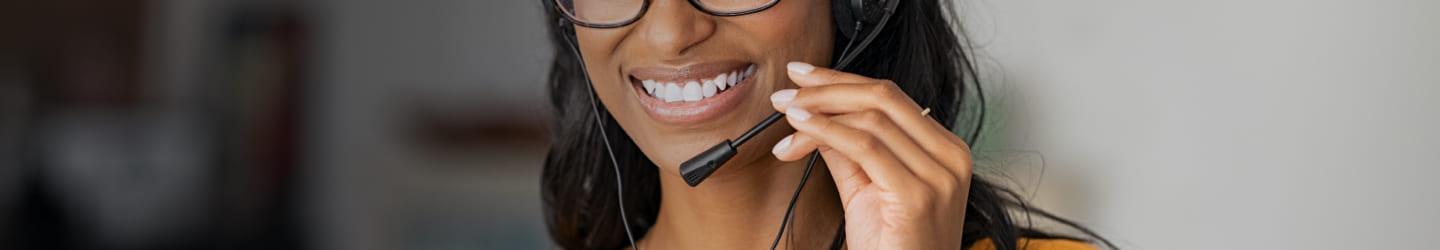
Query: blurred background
x=366, y=124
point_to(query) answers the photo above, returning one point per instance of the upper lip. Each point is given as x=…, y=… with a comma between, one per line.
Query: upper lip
x=688, y=72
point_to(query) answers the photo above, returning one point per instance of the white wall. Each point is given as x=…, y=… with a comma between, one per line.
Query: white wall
x=1225, y=124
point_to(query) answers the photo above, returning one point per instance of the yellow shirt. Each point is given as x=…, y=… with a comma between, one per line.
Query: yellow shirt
x=1056, y=244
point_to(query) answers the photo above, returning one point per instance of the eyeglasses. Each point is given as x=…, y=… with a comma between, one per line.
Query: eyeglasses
x=617, y=13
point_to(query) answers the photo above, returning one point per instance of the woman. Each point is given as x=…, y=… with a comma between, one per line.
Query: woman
x=674, y=77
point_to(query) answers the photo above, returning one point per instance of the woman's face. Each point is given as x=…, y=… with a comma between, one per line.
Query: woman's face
x=679, y=80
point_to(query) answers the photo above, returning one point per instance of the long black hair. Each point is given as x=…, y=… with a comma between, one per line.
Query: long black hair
x=921, y=50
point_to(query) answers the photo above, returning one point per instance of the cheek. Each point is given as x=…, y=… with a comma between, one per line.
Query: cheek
x=602, y=65
x=598, y=50
x=795, y=30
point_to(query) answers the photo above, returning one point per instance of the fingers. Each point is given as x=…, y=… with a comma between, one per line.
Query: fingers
x=849, y=97
x=883, y=97
x=869, y=153
x=806, y=75
x=794, y=147
x=798, y=145
x=902, y=145
x=848, y=177
x=877, y=125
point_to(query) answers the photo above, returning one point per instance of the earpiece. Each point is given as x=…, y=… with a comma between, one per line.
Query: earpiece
x=850, y=15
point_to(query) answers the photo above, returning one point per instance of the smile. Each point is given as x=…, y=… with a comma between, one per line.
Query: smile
x=692, y=94
x=694, y=90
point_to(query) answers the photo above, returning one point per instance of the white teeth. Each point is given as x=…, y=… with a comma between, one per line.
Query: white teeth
x=649, y=86
x=708, y=89
x=692, y=91
x=672, y=92
x=720, y=82
x=698, y=89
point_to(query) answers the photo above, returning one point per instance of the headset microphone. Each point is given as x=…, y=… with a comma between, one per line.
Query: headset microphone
x=702, y=165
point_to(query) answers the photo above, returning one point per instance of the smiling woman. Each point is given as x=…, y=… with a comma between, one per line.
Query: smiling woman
x=670, y=78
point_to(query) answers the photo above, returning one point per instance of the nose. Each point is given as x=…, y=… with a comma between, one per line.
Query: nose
x=673, y=27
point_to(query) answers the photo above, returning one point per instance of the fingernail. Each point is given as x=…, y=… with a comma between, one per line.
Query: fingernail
x=783, y=96
x=797, y=114
x=800, y=67
x=781, y=146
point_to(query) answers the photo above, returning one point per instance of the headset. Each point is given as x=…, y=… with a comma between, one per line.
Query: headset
x=851, y=18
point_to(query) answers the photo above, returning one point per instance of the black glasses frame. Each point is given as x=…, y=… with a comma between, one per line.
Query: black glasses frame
x=645, y=6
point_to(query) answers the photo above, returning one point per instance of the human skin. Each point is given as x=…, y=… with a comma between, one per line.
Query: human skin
x=898, y=178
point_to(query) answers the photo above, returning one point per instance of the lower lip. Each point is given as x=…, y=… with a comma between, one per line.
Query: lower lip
x=685, y=113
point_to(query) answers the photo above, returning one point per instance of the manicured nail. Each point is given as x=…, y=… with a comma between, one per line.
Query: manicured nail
x=800, y=67
x=783, y=96
x=781, y=146
x=797, y=114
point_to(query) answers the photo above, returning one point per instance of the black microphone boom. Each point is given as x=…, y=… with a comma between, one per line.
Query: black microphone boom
x=701, y=166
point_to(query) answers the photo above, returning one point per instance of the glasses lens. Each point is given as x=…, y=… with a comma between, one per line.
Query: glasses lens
x=602, y=12
x=735, y=6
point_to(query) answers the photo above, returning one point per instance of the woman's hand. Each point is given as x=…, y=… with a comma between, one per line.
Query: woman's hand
x=902, y=177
